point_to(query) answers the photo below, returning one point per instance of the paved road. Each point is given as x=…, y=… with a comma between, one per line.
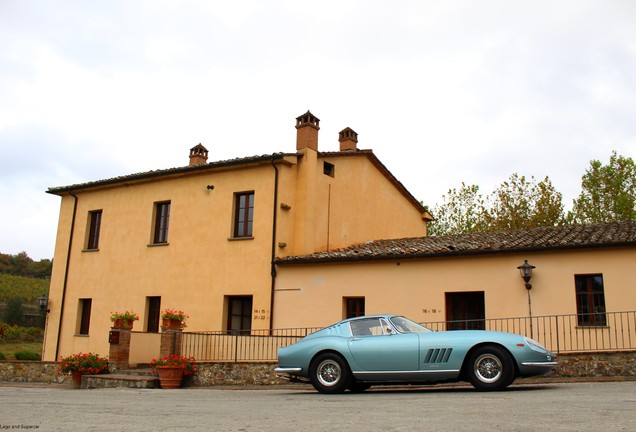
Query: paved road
x=609, y=406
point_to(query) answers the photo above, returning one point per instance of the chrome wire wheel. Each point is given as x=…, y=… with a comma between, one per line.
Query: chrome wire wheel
x=488, y=368
x=329, y=372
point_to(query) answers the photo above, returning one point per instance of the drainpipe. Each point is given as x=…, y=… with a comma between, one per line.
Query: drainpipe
x=68, y=261
x=273, y=257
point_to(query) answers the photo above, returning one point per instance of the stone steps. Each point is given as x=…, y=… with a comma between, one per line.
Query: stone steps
x=142, y=371
x=130, y=378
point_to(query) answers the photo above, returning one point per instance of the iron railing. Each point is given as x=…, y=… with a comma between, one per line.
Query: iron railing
x=612, y=331
x=239, y=346
x=558, y=333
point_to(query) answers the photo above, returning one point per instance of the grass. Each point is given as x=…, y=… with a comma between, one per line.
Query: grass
x=9, y=349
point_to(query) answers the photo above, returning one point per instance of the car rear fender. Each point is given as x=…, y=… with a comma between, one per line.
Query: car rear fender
x=479, y=345
x=332, y=351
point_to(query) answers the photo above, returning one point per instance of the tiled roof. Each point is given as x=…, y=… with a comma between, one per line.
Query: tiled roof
x=612, y=234
x=251, y=160
x=168, y=172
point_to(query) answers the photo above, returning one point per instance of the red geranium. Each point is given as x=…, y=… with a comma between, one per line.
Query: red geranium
x=185, y=363
x=88, y=363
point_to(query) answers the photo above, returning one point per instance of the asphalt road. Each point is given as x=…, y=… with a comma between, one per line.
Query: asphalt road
x=607, y=406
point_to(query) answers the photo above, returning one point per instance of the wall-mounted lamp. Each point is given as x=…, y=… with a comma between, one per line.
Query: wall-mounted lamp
x=526, y=273
x=44, y=302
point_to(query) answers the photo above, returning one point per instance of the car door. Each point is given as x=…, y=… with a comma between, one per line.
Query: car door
x=376, y=347
x=440, y=356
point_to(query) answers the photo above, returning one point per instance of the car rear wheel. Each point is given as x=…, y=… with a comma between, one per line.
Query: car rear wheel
x=329, y=373
x=490, y=368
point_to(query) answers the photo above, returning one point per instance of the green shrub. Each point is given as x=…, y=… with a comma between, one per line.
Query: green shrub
x=2, y=356
x=27, y=355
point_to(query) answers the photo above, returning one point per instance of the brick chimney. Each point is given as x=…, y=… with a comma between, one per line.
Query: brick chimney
x=307, y=126
x=348, y=140
x=198, y=155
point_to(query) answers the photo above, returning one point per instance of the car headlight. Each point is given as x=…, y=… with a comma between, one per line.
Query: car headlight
x=534, y=345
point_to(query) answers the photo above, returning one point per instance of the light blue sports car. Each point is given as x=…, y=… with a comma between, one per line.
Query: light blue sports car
x=357, y=353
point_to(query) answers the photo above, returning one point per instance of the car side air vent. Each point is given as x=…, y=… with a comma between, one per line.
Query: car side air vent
x=438, y=355
x=334, y=330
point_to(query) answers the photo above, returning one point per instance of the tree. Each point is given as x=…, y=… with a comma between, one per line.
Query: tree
x=5, y=263
x=463, y=211
x=41, y=269
x=22, y=265
x=13, y=314
x=519, y=203
x=608, y=192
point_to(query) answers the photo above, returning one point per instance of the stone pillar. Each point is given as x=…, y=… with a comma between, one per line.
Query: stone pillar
x=170, y=341
x=119, y=355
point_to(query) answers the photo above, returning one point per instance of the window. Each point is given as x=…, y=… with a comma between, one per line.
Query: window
x=239, y=316
x=162, y=220
x=244, y=214
x=465, y=311
x=329, y=169
x=590, y=300
x=84, y=316
x=95, y=223
x=370, y=327
x=153, y=311
x=353, y=306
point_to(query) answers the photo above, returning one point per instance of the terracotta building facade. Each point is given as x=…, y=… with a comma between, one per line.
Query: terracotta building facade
x=579, y=292
x=203, y=238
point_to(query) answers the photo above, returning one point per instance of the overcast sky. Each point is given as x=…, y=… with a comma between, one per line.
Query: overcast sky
x=443, y=92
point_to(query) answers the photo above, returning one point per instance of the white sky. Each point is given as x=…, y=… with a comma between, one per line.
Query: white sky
x=442, y=91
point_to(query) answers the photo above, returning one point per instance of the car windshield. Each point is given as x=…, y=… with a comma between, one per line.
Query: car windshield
x=405, y=325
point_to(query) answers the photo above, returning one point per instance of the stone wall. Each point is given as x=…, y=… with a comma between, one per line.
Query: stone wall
x=210, y=374
x=597, y=365
x=618, y=364
x=31, y=371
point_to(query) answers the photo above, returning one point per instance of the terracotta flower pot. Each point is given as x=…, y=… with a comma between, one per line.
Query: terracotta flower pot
x=169, y=376
x=123, y=324
x=174, y=324
x=76, y=376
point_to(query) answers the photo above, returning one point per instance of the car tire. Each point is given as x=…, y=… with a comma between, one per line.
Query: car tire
x=329, y=373
x=490, y=368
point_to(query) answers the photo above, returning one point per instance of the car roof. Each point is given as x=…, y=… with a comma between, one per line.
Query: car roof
x=369, y=316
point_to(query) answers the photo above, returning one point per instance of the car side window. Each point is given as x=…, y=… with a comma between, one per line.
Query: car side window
x=386, y=328
x=369, y=327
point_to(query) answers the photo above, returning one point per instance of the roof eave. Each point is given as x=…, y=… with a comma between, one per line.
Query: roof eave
x=172, y=172
x=415, y=256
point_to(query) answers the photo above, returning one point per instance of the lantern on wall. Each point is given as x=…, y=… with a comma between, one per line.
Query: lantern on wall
x=526, y=273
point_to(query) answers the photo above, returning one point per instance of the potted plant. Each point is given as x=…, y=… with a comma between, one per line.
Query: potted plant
x=171, y=369
x=123, y=319
x=174, y=319
x=82, y=364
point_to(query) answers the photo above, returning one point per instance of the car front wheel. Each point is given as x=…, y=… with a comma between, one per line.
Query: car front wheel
x=490, y=368
x=329, y=373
